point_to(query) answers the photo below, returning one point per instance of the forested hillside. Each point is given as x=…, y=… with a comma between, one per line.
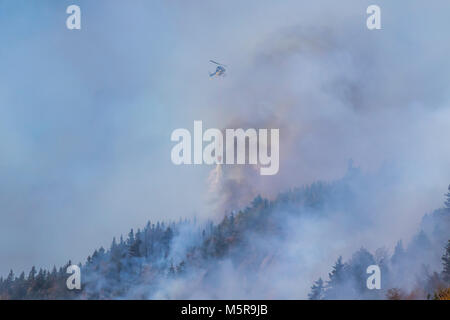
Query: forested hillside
x=254, y=252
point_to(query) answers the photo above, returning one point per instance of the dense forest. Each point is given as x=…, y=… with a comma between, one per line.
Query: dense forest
x=185, y=258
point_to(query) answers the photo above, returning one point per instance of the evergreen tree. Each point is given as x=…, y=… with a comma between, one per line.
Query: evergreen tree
x=115, y=254
x=357, y=270
x=336, y=277
x=32, y=274
x=447, y=201
x=399, y=253
x=10, y=277
x=257, y=201
x=19, y=288
x=40, y=280
x=446, y=263
x=130, y=239
x=54, y=273
x=134, y=248
x=317, y=290
x=337, y=274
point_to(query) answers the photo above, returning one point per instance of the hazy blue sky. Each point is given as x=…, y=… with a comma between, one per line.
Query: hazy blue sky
x=86, y=116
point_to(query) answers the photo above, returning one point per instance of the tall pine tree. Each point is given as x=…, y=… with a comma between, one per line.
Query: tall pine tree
x=399, y=253
x=447, y=201
x=446, y=263
x=317, y=290
x=336, y=276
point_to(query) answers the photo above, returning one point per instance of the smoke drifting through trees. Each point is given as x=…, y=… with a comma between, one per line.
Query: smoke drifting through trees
x=335, y=91
x=264, y=251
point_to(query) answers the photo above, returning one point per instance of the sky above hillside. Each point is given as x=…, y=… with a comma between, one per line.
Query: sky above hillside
x=86, y=115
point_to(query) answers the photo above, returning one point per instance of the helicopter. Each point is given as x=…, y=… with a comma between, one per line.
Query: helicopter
x=220, y=70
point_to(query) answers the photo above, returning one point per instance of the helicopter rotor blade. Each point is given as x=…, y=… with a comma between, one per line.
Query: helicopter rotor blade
x=217, y=63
